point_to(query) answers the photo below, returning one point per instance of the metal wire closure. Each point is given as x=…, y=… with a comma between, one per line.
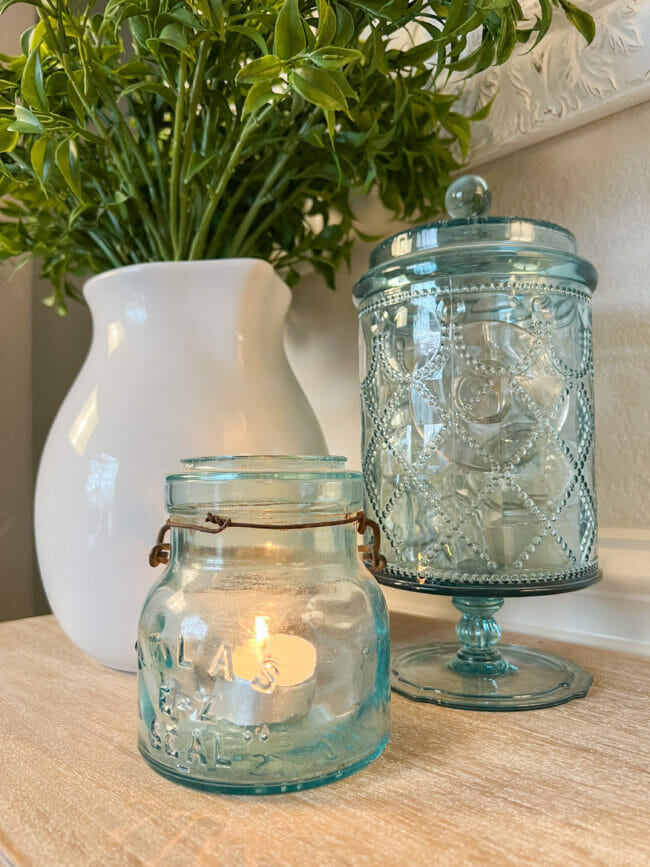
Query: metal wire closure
x=160, y=551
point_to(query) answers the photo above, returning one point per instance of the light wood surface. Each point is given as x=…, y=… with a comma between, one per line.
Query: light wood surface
x=566, y=785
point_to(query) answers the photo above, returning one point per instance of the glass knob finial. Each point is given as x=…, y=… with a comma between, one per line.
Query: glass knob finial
x=468, y=196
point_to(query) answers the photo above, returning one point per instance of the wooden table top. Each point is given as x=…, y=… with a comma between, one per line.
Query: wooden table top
x=566, y=785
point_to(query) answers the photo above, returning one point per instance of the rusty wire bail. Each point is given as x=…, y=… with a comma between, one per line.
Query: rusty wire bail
x=160, y=551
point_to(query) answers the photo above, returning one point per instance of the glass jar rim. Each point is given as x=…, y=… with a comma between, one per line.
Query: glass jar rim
x=229, y=460
x=441, y=235
x=258, y=468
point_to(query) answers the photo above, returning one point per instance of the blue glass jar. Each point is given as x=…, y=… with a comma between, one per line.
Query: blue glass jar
x=477, y=400
x=263, y=650
x=478, y=435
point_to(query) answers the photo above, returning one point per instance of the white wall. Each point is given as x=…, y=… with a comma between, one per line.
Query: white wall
x=596, y=181
x=17, y=589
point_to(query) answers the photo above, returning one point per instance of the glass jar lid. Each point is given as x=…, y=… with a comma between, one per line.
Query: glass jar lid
x=473, y=240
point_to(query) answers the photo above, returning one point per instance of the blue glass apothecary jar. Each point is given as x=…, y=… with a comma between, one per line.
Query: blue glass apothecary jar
x=263, y=649
x=478, y=432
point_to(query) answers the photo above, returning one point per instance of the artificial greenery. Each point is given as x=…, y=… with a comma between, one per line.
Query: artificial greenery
x=190, y=129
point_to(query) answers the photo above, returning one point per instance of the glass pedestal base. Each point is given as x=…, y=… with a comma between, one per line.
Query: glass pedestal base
x=532, y=680
x=479, y=675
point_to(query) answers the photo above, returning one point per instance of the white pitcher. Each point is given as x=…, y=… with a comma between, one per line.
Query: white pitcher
x=187, y=358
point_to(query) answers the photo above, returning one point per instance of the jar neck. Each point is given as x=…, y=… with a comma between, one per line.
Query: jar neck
x=257, y=549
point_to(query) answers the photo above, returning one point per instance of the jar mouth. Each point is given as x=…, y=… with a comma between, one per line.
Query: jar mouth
x=437, y=237
x=248, y=467
x=265, y=463
x=265, y=483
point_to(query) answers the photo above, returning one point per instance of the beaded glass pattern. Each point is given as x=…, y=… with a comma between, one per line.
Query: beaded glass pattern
x=477, y=403
x=478, y=432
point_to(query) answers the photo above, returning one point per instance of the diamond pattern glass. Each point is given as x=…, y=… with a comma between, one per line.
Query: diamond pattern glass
x=478, y=433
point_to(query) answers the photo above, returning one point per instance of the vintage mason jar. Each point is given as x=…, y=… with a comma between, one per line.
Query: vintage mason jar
x=263, y=652
x=478, y=418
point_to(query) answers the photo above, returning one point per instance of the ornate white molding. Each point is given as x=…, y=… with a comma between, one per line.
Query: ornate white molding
x=563, y=84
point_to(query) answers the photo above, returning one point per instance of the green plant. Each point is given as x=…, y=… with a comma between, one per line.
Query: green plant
x=188, y=129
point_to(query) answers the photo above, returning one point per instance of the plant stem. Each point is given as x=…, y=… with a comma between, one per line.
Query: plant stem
x=260, y=199
x=129, y=143
x=63, y=57
x=195, y=93
x=270, y=218
x=253, y=121
x=103, y=246
x=153, y=140
x=224, y=221
x=176, y=156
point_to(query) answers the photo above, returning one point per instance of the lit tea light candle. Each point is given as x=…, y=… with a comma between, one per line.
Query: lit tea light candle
x=273, y=678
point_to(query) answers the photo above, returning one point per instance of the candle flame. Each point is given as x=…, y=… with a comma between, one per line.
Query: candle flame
x=261, y=629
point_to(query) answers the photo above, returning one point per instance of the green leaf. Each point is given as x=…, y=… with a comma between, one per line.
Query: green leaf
x=344, y=86
x=389, y=10
x=344, y=26
x=457, y=11
x=38, y=35
x=543, y=23
x=25, y=38
x=314, y=137
x=141, y=30
x=482, y=112
x=134, y=69
x=196, y=164
x=376, y=53
x=333, y=57
x=151, y=87
x=118, y=199
x=507, y=39
x=318, y=87
x=258, y=95
x=31, y=85
x=581, y=20
x=254, y=35
x=184, y=16
x=267, y=67
x=216, y=13
x=25, y=121
x=75, y=102
x=326, y=24
x=290, y=38
x=76, y=213
x=172, y=35
x=42, y=157
x=8, y=140
x=459, y=128
x=119, y=10
x=420, y=53
x=486, y=57
x=67, y=161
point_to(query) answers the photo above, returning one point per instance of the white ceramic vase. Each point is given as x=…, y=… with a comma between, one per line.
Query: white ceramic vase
x=187, y=359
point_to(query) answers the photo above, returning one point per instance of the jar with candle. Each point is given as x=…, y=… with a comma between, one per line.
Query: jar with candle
x=263, y=650
x=478, y=438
